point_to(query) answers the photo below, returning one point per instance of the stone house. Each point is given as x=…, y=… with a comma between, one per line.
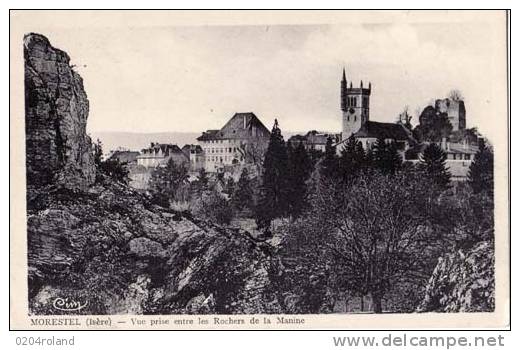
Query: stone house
x=159, y=154
x=244, y=138
x=314, y=140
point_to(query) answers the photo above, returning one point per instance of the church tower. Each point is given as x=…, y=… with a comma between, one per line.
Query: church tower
x=355, y=106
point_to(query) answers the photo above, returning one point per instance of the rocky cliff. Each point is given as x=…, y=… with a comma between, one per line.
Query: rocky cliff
x=106, y=246
x=462, y=282
x=56, y=109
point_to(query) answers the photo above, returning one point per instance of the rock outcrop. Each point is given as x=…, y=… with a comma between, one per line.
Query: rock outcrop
x=56, y=109
x=112, y=247
x=104, y=245
x=462, y=282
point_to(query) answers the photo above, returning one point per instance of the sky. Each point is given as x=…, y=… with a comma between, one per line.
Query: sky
x=158, y=78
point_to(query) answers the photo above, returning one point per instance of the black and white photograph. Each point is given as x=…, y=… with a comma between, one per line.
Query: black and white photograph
x=302, y=169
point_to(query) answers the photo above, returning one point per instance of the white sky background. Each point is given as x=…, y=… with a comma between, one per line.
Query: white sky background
x=193, y=78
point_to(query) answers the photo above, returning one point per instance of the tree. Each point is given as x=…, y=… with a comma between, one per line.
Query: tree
x=329, y=164
x=299, y=171
x=274, y=191
x=213, y=206
x=386, y=156
x=455, y=95
x=379, y=231
x=394, y=160
x=254, y=151
x=98, y=152
x=166, y=180
x=112, y=168
x=433, y=125
x=433, y=163
x=405, y=118
x=115, y=170
x=352, y=159
x=480, y=176
x=242, y=197
x=230, y=186
x=202, y=183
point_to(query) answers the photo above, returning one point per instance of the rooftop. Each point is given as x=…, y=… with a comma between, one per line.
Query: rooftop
x=240, y=126
x=124, y=156
x=383, y=130
x=165, y=148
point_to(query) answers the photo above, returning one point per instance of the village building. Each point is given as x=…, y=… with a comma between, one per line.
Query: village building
x=126, y=157
x=159, y=154
x=314, y=140
x=195, y=154
x=243, y=139
x=459, y=156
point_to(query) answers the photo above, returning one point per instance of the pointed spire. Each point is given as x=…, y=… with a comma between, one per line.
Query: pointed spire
x=344, y=75
x=361, y=83
x=369, y=85
x=351, y=84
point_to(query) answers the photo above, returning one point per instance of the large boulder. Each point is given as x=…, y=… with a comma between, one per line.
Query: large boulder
x=58, y=150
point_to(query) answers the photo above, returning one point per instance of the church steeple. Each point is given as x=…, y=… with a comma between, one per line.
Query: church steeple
x=355, y=105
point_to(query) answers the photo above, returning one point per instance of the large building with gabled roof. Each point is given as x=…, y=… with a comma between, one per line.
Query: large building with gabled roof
x=244, y=138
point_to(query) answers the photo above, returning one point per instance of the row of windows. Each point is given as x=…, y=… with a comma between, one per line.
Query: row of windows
x=222, y=141
x=221, y=150
x=222, y=159
x=353, y=102
x=460, y=156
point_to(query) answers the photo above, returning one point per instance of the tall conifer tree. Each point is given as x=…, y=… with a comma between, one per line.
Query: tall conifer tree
x=352, y=159
x=329, y=164
x=300, y=167
x=433, y=163
x=274, y=192
x=386, y=156
x=242, y=197
x=480, y=176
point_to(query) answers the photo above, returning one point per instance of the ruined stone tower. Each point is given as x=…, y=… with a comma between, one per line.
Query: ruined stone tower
x=355, y=106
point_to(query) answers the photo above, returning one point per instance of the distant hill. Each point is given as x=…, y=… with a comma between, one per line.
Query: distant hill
x=136, y=141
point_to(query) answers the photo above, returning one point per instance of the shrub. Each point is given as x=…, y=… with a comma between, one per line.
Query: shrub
x=214, y=207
